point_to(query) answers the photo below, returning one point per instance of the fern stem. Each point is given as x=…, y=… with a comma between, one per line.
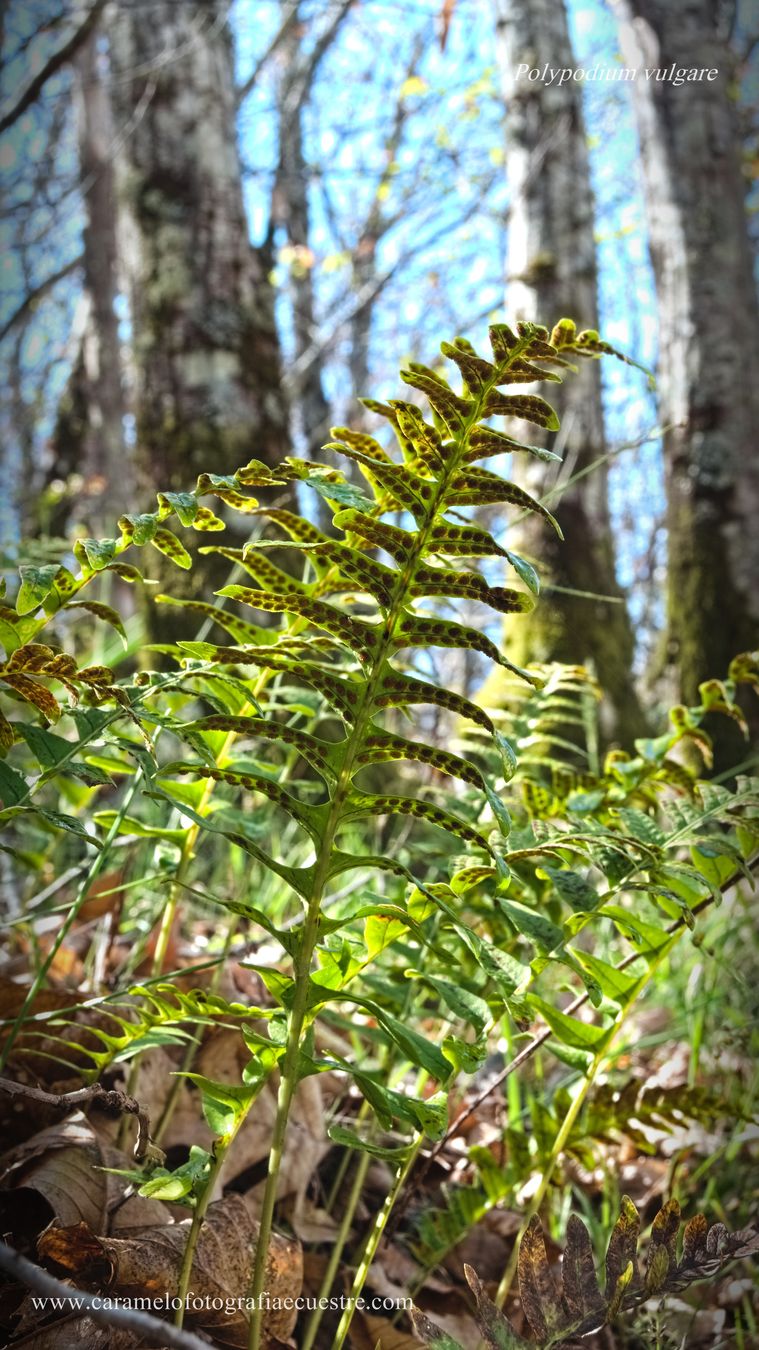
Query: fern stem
x=314, y=1321
x=570, y=1119
x=220, y=1150
x=289, y=1072
x=373, y=1241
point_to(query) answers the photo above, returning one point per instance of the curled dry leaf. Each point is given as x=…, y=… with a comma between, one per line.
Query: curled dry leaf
x=149, y=1261
x=59, y=1176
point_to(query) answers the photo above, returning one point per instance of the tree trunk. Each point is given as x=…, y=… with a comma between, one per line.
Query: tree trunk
x=709, y=332
x=104, y=464
x=551, y=273
x=205, y=356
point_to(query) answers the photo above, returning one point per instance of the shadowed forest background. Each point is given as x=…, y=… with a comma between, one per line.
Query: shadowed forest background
x=225, y=229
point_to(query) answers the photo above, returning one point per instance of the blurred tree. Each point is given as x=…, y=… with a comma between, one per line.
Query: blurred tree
x=89, y=437
x=204, y=347
x=551, y=272
x=709, y=329
x=207, y=393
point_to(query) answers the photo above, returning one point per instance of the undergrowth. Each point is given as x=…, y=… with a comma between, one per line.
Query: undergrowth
x=428, y=877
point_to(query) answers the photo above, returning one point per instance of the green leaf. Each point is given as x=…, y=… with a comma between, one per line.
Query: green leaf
x=465, y=1056
x=46, y=747
x=381, y=932
x=343, y=493
x=525, y=571
x=168, y=544
x=224, y=1104
x=339, y=1134
x=508, y=974
x=96, y=554
x=615, y=984
x=571, y=887
x=465, y=1005
x=380, y=746
x=570, y=1031
x=13, y=787
x=185, y=504
x=546, y=935
x=188, y=1179
x=525, y=407
x=415, y=1046
x=361, y=637
x=36, y=585
x=713, y=862
x=139, y=530
x=479, y=487
x=238, y=628
x=444, y=581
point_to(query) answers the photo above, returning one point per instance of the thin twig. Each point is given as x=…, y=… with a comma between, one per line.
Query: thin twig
x=147, y=1328
x=37, y=292
x=54, y=63
x=111, y=1098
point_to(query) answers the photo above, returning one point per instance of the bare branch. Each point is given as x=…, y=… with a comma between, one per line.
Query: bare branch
x=281, y=33
x=37, y=292
x=149, y=1329
x=51, y=67
x=113, y=1099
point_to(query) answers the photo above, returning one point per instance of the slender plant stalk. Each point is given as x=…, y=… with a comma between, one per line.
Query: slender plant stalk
x=373, y=1241
x=314, y=1321
x=221, y=1149
x=570, y=1119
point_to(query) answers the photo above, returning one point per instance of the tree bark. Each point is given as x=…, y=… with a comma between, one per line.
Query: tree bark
x=551, y=273
x=205, y=356
x=104, y=463
x=709, y=332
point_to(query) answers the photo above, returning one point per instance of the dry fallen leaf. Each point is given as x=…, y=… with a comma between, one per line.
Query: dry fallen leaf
x=148, y=1263
x=58, y=1175
x=58, y=1165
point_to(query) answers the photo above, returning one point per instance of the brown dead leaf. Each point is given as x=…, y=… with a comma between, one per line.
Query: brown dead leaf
x=537, y=1289
x=54, y=1176
x=378, y=1333
x=57, y=1176
x=312, y=1224
x=148, y=1263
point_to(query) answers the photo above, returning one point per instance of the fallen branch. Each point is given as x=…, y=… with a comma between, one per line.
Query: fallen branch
x=147, y=1328
x=111, y=1098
